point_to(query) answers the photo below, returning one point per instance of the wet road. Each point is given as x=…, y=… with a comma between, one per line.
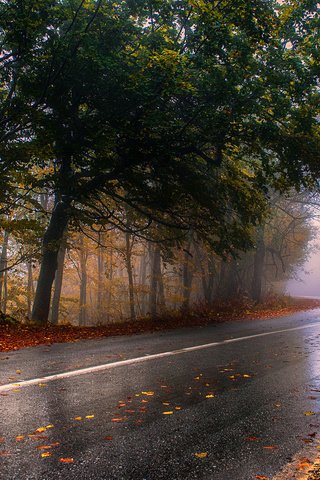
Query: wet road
x=233, y=410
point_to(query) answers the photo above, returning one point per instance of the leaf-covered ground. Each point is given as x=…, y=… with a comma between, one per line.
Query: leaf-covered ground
x=14, y=336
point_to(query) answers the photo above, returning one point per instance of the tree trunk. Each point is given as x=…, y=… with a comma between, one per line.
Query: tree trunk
x=153, y=281
x=143, y=278
x=50, y=249
x=100, y=279
x=258, y=266
x=109, y=294
x=5, y=292
x=30, y=290
x=58, y=282
x=83, y=285
x=130, y=275
x=156, y=296
x=187, y=277
x=3, y=266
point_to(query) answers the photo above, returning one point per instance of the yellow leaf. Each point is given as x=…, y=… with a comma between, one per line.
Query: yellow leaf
x=89, y=416
x=41, y=429
x=210, y=396
x=309, y=413
x=46, y=454
x=167, y=413
x=147, y=393
x=49, y=426
x=42, y=385
x=201, y=455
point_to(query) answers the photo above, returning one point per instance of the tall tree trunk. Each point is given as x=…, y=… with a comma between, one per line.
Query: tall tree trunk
x=153, y=280
x=58, y=282
x=143, y=278
x=130, y=275
x=30, y=289
x=109, y=294
x=3, y=266
x=83, y=285
x=100, y=278
x=187, y=277
x=50, y=249
x=156, y=296
x=5, y=292
x=258, y=266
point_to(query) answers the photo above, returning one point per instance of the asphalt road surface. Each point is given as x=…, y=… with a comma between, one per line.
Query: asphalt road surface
x=152, y=407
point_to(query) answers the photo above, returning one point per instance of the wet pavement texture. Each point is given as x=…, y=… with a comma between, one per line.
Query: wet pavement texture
x=234, y=411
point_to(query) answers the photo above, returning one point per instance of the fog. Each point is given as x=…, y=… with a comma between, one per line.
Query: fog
x=307, y=281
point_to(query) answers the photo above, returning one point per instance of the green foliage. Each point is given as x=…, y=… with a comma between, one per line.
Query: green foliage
x=183, y=110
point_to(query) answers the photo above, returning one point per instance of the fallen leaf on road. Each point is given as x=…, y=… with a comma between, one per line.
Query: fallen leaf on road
x=89, y=416
x=109, y=438
x=66, y=460
x=261, y=477
x=201, y=455
x=148, y=393
x=270, y=447
x=210, y=396
x=167, y=413
x=19, y=438
x=251, y=438
x=46, y=454
x=309, y=413
x=77, y=418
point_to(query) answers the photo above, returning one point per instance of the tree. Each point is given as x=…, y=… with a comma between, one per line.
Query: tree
x=180, y=110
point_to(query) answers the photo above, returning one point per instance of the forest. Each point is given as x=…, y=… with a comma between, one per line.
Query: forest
x=155, y=156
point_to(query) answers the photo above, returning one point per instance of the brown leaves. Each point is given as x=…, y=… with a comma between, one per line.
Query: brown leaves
x=304, y=464
x=66, y=460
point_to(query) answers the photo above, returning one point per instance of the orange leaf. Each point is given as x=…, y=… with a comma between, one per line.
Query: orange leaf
x=201, y=455
x=19, y=438
x=66, y=460
x=167, y=413
x=108, y=438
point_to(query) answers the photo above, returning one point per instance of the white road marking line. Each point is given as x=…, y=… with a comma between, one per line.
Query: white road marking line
x=131, y=361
